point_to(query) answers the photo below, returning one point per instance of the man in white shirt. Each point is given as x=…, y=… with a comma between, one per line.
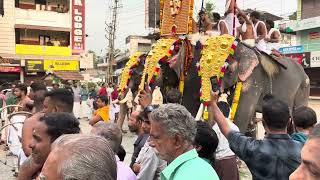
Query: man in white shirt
x=273, y=36
x=225, y=163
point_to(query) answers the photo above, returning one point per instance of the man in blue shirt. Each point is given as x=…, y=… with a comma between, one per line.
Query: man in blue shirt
x=277, y=155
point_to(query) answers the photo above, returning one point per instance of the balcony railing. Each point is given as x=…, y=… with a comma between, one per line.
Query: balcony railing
x=42, y=50
x=42, y=18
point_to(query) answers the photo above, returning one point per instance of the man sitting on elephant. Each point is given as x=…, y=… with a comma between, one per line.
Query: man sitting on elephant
x=274, y=157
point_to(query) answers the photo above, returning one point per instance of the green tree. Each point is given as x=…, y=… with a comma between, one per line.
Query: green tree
x=293, y=16
x=209, y=9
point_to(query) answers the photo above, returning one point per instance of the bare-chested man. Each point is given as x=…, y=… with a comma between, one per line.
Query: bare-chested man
x=260, y=31
x=220, y=25
x=21, y=91
x=273, y=36
x=37, y=94
x=204, y=23
x=246, y=30
x=229, y=16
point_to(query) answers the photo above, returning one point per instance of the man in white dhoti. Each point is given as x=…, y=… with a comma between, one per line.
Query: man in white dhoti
x=273, y=36
x=220, y=25
x=230, y=16
x=260, y=31
x=246, y=31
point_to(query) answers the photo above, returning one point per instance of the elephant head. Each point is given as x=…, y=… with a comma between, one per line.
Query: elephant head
x=259, y=74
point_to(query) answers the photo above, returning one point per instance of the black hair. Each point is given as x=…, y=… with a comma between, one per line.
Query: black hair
x=61, y=97
x=60, y=123
x=270, y=22
x=207, y=139
x=23, y=88
x=255, y=14
x=121, y=153
x=37, y=86
x=304, y=117
x=224, y=108
x=173, y=96
x=202, y=12
x=276, y=113
x=216, y=16
x=104, y=99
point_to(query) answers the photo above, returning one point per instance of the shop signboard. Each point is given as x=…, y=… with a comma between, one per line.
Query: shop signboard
x=301, y=58
x=9, y=61
x=34, y=65
x=78, y=26
x=61, y=65
x=291, y=49
x=315, y=59
x=10, y=69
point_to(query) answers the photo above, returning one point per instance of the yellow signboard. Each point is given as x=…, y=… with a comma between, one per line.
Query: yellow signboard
x=43, y=50
x=61, y=65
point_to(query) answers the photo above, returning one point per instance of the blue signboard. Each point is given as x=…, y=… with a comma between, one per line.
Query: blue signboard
x=292, y=49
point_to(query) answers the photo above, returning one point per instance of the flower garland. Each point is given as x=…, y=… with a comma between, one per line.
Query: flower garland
x=127, y=72
x=216, y=54
x=236, y=99
x=175, y=6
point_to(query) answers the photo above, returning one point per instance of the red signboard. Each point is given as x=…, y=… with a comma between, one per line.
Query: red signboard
x=11, y=69
x=301, y=58
x=78, y=26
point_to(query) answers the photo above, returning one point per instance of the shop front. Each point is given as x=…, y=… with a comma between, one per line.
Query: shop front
x=10, y=70
x=38, y=69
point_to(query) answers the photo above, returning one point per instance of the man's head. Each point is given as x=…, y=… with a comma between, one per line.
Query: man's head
x=79, y=156
x=276, y=113
x=216, y=17
x=55, y=86
x=173, y=130
x=173, y=96
x=146, y=126
x=103, y=85
x=102, y=101
x=60, y=100
x=255, y=16
x=110, y=131
x=20, y=90
x=37, y=91
x=309, y=168
x=241, y=19
x=48, y=129
x=206, y=140
x=224, y=108
x=135, y=122
x=13, y=86
x=269, y=24
x=202, y=15
x=304, y=118
x=75, y=85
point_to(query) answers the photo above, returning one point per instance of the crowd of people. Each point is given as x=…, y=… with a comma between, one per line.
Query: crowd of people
x=170, y=144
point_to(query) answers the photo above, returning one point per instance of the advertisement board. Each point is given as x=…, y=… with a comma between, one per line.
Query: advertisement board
x=78, y=26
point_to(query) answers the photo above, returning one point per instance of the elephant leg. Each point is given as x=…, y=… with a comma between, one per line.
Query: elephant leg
x=246, y=108
x=122, y=115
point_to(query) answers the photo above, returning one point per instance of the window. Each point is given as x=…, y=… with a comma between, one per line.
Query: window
x=44, y=40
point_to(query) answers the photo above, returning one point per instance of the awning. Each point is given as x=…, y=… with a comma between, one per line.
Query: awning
x=68, y=75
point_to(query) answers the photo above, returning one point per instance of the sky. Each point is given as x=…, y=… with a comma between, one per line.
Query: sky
x=131, y=18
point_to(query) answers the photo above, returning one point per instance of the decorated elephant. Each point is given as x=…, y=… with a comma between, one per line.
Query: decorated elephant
x=258, y=74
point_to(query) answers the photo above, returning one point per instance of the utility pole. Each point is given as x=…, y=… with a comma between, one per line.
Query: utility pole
x=111, y=30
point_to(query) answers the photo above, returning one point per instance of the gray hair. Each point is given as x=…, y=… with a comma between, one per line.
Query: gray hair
x=111, y=132
x=176, y=119
x=89, y=157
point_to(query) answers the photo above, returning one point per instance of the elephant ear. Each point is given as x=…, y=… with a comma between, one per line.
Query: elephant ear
x=248, y=60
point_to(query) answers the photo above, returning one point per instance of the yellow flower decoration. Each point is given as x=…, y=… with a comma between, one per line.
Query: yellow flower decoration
x=125, y=75
x=236, y=99
x=215, y=52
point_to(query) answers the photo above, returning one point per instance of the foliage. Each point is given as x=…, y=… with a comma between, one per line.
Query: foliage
x=209, y=9
x=293, y=16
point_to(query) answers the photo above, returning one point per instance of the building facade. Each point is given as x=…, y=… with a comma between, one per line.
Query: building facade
x=40, y=36
x=307, y=29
